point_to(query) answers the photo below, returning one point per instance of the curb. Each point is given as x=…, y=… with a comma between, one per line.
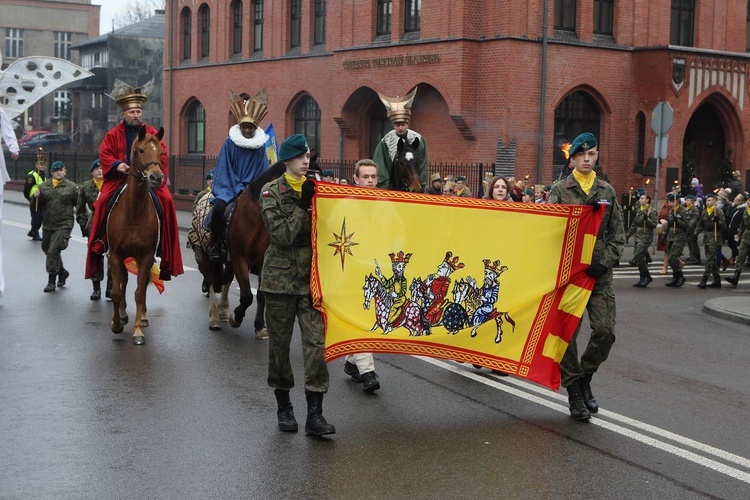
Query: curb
x=714, y=308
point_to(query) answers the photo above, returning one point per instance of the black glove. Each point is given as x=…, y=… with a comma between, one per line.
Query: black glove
x=308, y=191
x=594, y=205
x=595, y=270
x=714, y=219
x=84, y=232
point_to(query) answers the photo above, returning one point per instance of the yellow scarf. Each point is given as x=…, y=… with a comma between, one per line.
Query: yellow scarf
x=586, y=181
x=55, y=182
x=645, y=208
x=710, y=210
x=296, y=184
x=748, y=208
x=98, y=184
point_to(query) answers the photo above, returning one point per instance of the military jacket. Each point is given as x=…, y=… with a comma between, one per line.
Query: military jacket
x=87, y=194
x=59, y=203
x=692, y=215
x=678, y=224
x=286, y=266
x=643, y=225
x=713, y=227
x=744, y=232
x=611, y=239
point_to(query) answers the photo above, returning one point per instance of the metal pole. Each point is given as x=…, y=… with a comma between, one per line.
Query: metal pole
x=657, y=150
x=543, y=96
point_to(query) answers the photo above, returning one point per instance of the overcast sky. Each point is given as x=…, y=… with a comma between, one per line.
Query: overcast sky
x=110, y=8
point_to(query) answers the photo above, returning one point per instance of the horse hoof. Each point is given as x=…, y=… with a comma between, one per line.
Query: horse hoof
x=224, y=317
x=233, y=323
x=117, y=329
x=214, y=325
x=124, y=320
x=261, y=334
x=144, y=323
x=139, y=340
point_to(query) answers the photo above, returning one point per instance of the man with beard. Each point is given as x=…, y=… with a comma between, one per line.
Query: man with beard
x=114, y=155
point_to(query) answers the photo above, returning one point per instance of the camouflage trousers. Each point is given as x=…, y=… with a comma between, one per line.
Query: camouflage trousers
x=640, y=257
x=54, y=241
x=281, y=310
x=742, y=256
x=675, y=252
x=712, y=268
x=693, y=249
x=601, y=311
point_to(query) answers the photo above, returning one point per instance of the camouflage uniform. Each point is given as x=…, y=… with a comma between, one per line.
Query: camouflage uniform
x=692, y=214
x=58, y=203
x=744, y=246
x=642, y=226
x=87, y=194
x=286, y=282
x=677, y=225
x=601, y=305
x=713, y=228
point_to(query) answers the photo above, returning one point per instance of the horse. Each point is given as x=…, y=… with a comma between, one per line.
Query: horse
x=133, y=230
x=405, y=167
x=457, y=317
x=411, y=318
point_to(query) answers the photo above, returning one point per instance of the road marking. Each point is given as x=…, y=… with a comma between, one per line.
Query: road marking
x=558, y=402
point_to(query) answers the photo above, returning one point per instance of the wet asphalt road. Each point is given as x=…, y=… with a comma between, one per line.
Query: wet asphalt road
x=85, y=414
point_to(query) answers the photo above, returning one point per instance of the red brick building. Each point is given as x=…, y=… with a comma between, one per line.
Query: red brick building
x=500, y=82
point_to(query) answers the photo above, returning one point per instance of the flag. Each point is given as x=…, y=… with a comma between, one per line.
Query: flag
x=132, y=267
x=272, y=146
x=502, y=285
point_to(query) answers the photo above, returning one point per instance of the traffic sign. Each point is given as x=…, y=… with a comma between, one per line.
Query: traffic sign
x=661, y=118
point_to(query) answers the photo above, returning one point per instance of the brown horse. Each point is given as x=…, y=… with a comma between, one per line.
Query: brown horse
x=133, y=230
x=405, y=174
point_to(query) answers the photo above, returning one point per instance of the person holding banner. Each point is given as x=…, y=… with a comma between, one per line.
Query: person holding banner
x=241, y=159
x=582, y=187
x=285, y=279
x=713, y=225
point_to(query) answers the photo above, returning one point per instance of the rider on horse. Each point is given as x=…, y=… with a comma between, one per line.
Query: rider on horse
x=242, y=159
x=399, y=112
x=114, y=155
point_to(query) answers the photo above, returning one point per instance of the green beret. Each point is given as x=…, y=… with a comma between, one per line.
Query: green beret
x=58, y=165
x=210, y=174
x=708, y=195
x=293, y=146
x=95, y=164
x=690, y=197
x=328, y=173
x=670, y=197
x=461, y=178
x=529, y=192
x=583, y=142
x=640, y=191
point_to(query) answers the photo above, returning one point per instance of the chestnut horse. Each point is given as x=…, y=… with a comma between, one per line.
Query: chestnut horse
x=405, y=174
x=133, y=230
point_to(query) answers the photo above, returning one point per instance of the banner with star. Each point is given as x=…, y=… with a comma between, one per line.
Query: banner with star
x=501, y=285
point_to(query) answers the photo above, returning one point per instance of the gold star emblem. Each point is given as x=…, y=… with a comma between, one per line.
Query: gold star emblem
x=343, y=244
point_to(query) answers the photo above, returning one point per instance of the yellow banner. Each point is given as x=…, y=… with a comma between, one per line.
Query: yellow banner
x=497, y=284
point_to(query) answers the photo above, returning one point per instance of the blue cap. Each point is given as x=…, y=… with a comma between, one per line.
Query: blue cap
x=293, y=146
x=583, y=142
x=58, y=165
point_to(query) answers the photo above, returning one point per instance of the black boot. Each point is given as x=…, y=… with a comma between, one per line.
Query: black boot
x=646, y=280
x=716, y=283
x=578, y=410
x=673, y=281
x=702, y=284
x=97, y=293
x=588, y=396
x=680, y=279
x=287, y=422
x=734, y=279
x=62, y=277
x=639, y=283
x=51, y=283
x=316, y=423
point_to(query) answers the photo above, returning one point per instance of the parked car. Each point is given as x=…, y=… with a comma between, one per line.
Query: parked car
x=47, y=141
x=29, y=134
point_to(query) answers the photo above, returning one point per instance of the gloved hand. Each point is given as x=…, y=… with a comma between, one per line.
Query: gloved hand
x=594, y=205
x=595, y=270
x=714, y=219
x=308, y=191
x=84, y=232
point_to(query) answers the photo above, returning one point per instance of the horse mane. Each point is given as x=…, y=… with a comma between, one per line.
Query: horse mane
x=273, y=172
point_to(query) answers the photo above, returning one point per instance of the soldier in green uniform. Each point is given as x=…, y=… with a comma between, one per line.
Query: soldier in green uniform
x=57, y=196
x=742, y=249
x=583, y=187
x=692, y=212
x=285, y=279
x=677, y=227
x=642, y=225
x=713, y=225
x=87, y=195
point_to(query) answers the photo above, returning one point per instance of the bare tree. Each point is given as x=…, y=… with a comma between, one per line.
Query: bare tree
x=137, y=11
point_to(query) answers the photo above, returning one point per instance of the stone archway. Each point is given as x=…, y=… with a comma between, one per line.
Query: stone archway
x=705, y=145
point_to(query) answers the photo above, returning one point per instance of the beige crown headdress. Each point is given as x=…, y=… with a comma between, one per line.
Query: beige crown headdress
x=251, y=110
x=126, y=96
x=399, y=108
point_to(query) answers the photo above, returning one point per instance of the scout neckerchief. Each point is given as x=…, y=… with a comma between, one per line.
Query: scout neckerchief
x=99, y=184
x=295, y=184
x=586, y=181
x=55, y=182
x=710, y=210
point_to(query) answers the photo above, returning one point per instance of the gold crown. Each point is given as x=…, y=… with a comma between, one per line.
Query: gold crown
x=453, y=262
x=495, y=267
x=400, y=257
x=399, y=108
x=249, y=110
x=127, y=97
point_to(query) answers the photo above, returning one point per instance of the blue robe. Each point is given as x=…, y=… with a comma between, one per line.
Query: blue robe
x=235, y=168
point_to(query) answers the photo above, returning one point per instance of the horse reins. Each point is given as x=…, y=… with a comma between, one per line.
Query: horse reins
x=140, y=175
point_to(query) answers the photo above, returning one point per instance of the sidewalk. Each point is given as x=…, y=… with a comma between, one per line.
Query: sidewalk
x=733, y=308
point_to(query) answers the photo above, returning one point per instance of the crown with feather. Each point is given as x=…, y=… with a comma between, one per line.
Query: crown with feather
x=399, y=108
x=249, y=110
x=126, y=96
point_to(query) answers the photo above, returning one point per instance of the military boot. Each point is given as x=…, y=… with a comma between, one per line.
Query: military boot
x=639, y=283
x=702, y=284
x=316, y=423
x=62, y=277
x=578, y=410
x=673, y=281
x=285, y=412
x=734, y=279
x=646, y=280
x=588, y=396
x=97, y=293
x=716, y=283
x=51, y=283
x=680, y=279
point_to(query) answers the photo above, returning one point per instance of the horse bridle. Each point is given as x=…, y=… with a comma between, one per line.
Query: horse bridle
x=140, y=175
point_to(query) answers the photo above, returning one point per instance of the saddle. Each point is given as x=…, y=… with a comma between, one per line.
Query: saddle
x=199, y=235
x=155, y=199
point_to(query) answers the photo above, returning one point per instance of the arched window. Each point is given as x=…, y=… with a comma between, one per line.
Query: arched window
x=196, y=129
x=576, y=114
x=204, y=18
x=236, y=27
x=640, y=151
x=187, y=28
x=379, y=125
x=307, y=121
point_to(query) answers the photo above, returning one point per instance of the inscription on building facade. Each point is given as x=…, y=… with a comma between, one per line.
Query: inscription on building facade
x=381, y=62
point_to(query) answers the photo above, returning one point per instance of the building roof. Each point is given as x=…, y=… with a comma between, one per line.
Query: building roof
x=152, y=27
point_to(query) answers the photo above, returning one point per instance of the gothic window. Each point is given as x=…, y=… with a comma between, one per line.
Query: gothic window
x=682, y=23
x=307, y=121
x=196, y=129
x=204, y=15
x=319, y=37
x=237, y=27
x=258, y=25
x=187, y=27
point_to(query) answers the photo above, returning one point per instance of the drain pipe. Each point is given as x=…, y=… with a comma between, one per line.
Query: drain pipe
x=543, y=96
